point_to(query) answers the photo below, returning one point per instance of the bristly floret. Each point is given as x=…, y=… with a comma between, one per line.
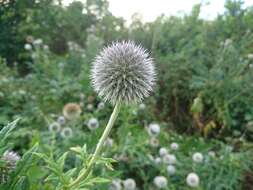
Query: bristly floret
x=123, y=72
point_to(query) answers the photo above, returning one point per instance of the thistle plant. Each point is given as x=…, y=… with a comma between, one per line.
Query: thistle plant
x=123, y=73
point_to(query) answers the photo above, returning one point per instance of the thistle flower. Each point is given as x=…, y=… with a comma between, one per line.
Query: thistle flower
x=153, y=129
x=169, y=159
x=129, y=184
x=66, y=132
x=142, y=106
x=160, y=182
x=115, y=185
x=38, y=41
x=197, y=157
x=123, y=72
x=250, y=56
x=108, y=142
x=163, y=151
x=211, y=154
x=54, y=127
x=28, y=47
x=11, y=158
x=158, y=160
x=90, y=107
x=101, y=105
x=174, y=146
x=29, y=39
x=192, y=180
x=82, y=96
x=171, y=170
x=154, y=142
x=61, y=120
x=93, y=124
x=71, y=111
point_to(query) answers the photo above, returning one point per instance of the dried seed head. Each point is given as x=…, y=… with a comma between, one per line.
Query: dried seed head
x=123, y=72
x=71, y=111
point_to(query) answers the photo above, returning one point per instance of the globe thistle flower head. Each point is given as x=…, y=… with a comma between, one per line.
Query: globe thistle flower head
x=163, y=151
x=11, y=158
x=115, y=185
x=129, y=184
x=93, y=124
x=192, y=180
x=61, y=120
x=66, y=132
x=171, y=170
x=153, y=129
x=123, y=72
x=160, y=182
x=54, y=127
x=174, y=146
x=197, y=157
x=71, y=111
x=169, y=159
x=154, y=142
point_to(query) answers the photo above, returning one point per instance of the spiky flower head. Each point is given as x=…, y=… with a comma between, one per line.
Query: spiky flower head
x=197, y=157
x=11, y=158
x=123, y=72
x=160, y=182
x=129, y=184
x=66, y=132
x=192, y=180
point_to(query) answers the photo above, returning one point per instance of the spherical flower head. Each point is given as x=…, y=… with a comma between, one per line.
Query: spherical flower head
x=66, y=132
x=90, y=107
x=93, y=124
x=174, y=146
x=72, y=111
x=169, y=159
x=171, y=169
x=192, y=180
x=158, y=160
x=129, y=184
x=211, y=154
x=142, y=106
x=61, y=120
x=115, y=185
x=197, y=157
x=153, y=129
x=101, y=105
x=123, y=72
x=108, y=142
x=11, y=158
x=154, y=142
x=160, y=182
x=28, y=47
x=163, y=151
x=54, y=127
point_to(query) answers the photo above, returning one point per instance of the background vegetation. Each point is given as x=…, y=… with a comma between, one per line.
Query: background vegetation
x=203, y=98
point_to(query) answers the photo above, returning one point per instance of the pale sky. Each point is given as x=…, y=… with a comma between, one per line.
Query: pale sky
x=150, y=9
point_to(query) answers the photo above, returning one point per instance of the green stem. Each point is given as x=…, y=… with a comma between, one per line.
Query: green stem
x=99, y=146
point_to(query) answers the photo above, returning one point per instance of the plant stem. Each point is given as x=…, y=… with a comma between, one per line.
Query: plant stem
x=99, y=146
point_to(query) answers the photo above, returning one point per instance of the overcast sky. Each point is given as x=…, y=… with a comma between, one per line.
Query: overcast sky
x=150, y=9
